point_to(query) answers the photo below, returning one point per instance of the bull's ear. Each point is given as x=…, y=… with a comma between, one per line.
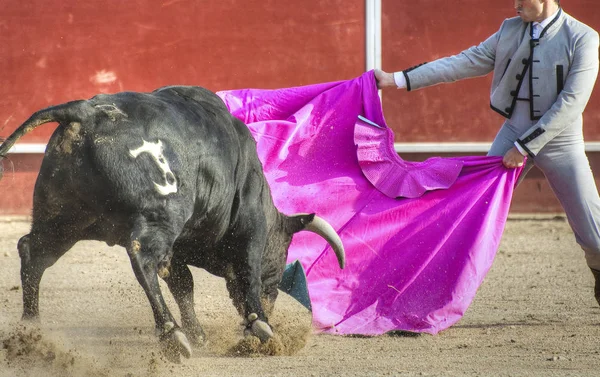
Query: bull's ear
x=298, y=222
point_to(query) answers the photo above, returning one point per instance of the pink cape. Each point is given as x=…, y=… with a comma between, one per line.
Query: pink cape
x=419, y=236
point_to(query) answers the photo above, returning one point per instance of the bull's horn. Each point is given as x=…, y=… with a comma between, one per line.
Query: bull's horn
x=323, y=229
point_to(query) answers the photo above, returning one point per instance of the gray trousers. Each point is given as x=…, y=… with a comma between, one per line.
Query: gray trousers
x=567, y=169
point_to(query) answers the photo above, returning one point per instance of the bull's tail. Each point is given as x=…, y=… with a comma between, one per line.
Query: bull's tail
x=75, y=111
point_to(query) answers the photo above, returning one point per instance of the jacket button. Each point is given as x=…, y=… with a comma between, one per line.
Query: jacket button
x=507, y=110
x=525, y=60
x=513, y=93
x=518, y=77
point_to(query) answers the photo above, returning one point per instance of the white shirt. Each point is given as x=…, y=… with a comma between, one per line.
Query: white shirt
x=539, y=26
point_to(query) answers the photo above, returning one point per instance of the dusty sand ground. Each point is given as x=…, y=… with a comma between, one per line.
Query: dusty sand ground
x=534, y=315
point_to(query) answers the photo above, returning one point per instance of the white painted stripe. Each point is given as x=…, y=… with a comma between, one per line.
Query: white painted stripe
x=592, y=146
x=442, y=147
x=28, y=148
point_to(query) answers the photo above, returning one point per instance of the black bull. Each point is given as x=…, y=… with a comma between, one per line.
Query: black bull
x=173, y=178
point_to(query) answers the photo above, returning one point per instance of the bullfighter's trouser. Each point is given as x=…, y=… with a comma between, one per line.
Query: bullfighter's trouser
x=566, y=167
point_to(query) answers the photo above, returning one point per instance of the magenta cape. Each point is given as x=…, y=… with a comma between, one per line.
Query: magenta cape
x=419, y=236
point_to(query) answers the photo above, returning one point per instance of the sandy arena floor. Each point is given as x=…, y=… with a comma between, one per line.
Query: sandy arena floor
x=534, y=315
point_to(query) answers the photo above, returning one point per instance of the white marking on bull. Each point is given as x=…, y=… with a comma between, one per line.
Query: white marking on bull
x=156, y=151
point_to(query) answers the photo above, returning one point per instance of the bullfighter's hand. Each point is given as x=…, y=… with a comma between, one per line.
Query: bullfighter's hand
x=513, y=158
x=384, y=79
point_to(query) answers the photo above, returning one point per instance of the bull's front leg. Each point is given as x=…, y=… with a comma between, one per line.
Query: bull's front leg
x=145, y=251
x=244, y=286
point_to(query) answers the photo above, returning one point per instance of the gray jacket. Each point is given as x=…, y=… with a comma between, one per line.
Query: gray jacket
x=563, y=63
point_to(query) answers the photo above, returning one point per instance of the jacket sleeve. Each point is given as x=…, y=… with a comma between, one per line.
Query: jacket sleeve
x=571, y=101
x=472, y=62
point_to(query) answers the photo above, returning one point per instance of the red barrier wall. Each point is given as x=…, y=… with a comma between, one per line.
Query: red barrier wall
x=54, y=52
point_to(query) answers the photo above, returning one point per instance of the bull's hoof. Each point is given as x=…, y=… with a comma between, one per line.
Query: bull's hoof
x=196, y=335
x=262, y=330
x=174, y=343
x=258, y=328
